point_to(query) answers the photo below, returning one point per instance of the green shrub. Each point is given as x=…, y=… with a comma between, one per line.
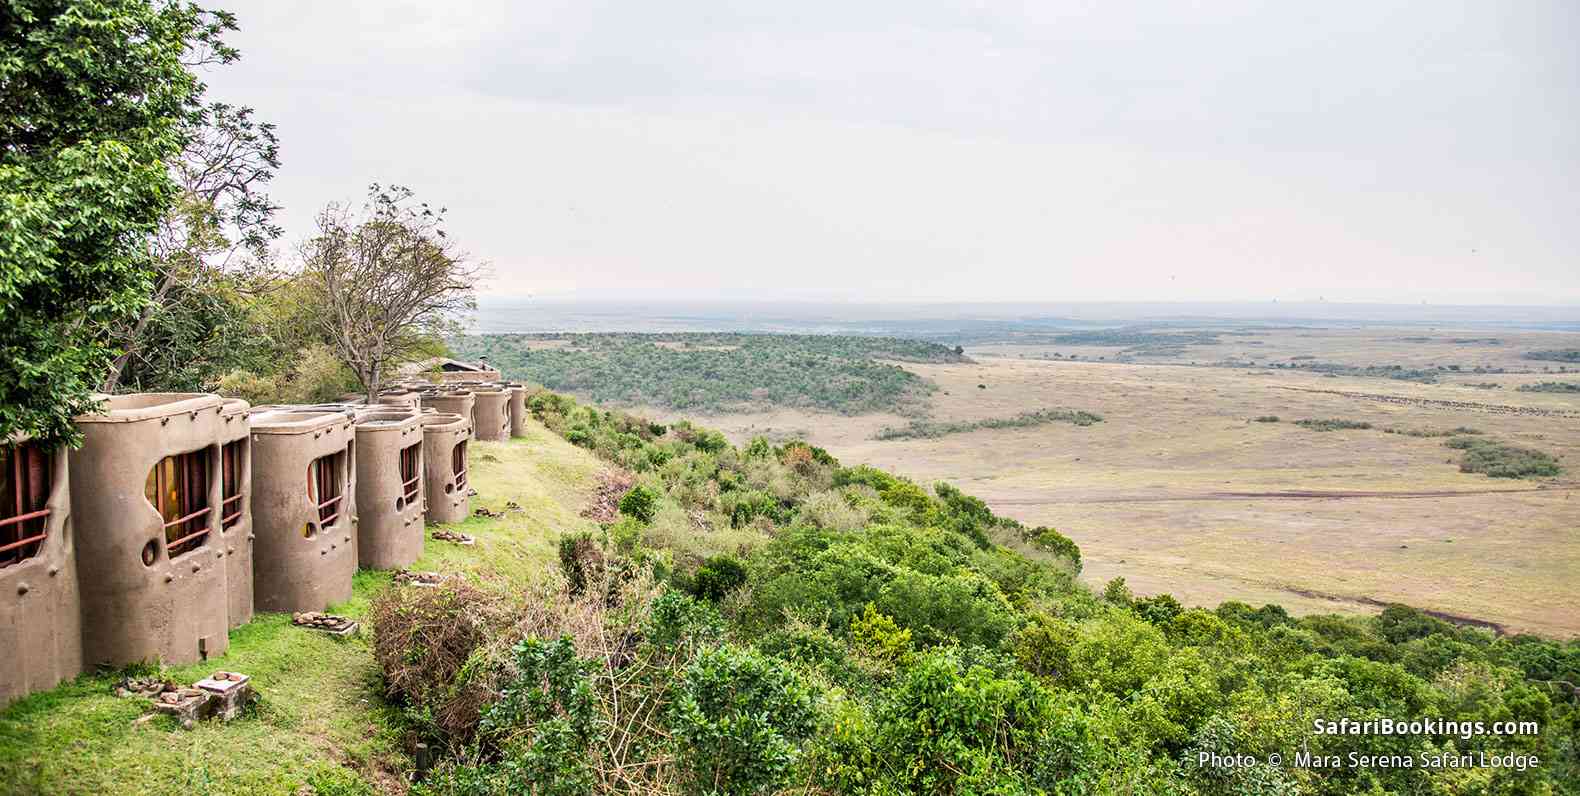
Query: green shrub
x=1333, y=424
x=950, y=727
x=1117, y=593
x=1159, y=609
x=737, y=719
x=1051, y=541
x=1266, y=418
x=963, y=607
x=640, y=502
x=717, y=577
x=1498, y=460
x=544, y=719
x=878, y=637
x=581, y=561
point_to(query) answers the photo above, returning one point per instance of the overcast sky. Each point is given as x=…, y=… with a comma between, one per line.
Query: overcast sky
x=914, y=150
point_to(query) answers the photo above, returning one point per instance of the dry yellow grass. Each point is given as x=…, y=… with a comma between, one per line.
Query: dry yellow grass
x=1149, y=493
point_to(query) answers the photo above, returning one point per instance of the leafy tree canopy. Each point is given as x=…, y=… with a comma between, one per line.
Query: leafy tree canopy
x=96, y=97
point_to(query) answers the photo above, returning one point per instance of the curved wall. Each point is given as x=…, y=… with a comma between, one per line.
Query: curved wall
x=389, y=488
x=444, y=438
x=138, y=601
x=303, y=514
x=40, y=610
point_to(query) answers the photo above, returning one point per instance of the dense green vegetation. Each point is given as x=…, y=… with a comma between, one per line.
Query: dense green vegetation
x=929, y=429
x=1499, y=460
x=1333, y=424
x=1399, y=372
x=1552, y=386
x=1555, y=355
x=98, y=99
x=1138, y=341
x=717, y=372
x=774, y=621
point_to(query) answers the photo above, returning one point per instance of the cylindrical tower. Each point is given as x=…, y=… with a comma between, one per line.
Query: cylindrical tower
x=444, y=438
x=389, y=488
x=303, y=509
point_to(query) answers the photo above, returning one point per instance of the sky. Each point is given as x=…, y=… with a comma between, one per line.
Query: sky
x=917, y=151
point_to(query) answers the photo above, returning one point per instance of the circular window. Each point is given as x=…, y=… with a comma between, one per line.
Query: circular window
x=448, y=488
x=400, y=503
x=150, y=553
x=307, y=530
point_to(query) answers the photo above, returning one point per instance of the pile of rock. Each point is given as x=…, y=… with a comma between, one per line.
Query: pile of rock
x=221, y=695
x=327, y=623
x=452, y=536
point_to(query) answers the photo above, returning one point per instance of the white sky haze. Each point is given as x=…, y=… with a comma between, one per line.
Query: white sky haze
x=921, y=151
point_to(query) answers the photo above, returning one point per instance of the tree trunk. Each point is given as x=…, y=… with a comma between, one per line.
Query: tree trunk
x=113, y=378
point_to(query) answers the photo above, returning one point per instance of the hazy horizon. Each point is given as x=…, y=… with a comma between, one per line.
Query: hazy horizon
x=1240, y=151
x=497, y=315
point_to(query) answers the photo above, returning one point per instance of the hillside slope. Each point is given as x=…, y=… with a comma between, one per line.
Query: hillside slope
x=322, y=720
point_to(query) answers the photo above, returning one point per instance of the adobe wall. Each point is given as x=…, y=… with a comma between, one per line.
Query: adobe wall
x=491, y=413
x=300, y=564
x=454, y=402
x=446, y=493
x=389, y=510
x=237, y=540
x=173, y=610
x=40, y=610
x=518, y=410
x=402, y=398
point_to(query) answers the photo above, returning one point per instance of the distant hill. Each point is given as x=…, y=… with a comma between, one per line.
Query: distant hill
x=714, y=372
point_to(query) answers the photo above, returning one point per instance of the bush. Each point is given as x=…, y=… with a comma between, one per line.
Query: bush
x=1333, y=424
x=544, y=719
x=737, y=720
x=1051, y=541
x=430, y=645
x=878, y=637
x=717, y=577
x=1159, y=609
x=951, y=727
x=581, y=561
x=641, y=502
x=963, y=607
x=1266, y=418
x=1498, y=460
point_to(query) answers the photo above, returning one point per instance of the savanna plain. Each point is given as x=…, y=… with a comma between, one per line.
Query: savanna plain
x=1190, y=486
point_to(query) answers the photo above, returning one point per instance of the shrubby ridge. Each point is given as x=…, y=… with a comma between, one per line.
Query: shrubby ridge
x=709, y=372
x=764, y=619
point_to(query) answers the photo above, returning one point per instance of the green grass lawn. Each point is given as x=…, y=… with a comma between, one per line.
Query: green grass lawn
x=322, y=721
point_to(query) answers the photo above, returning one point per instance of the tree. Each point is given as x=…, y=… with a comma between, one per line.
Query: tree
x=95, y=101
x=391, y=281
x=186, y=333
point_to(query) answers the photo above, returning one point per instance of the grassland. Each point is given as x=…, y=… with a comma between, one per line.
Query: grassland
x=718, y=372
x=1180, y=491
x=322, y=725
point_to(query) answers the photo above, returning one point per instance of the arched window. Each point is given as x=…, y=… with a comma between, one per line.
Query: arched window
x=177, y=488
x=324, y=487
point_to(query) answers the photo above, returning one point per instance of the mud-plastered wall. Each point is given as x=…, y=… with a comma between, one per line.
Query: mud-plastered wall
x=491, y=413
x=151, y=566
x=445, y=463
x=235, y=523
x=389, y=488
x=518, y=410
x=40, y=613
x=453, y=402
x=303, y=509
